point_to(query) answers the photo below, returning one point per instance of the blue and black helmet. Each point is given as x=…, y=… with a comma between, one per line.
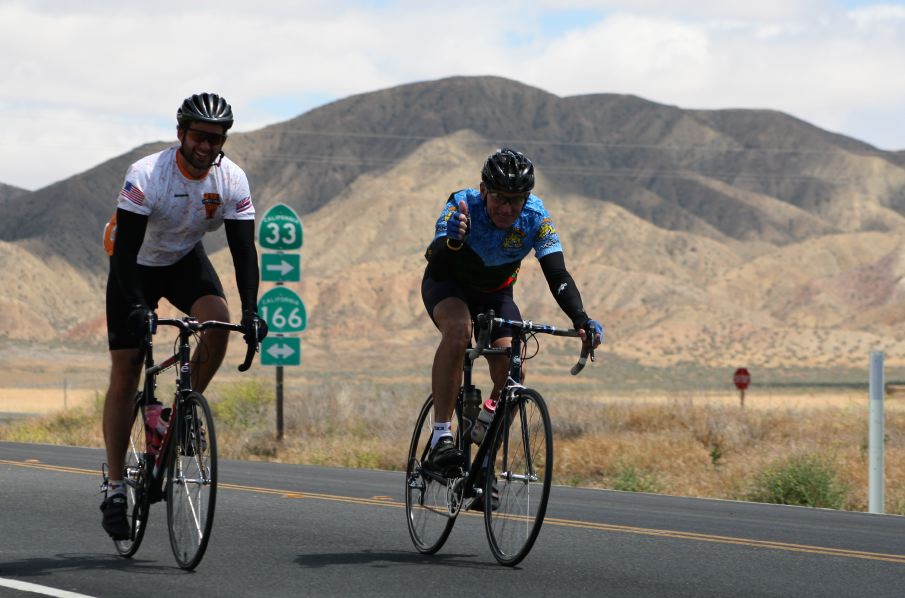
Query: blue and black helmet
x=508, y=171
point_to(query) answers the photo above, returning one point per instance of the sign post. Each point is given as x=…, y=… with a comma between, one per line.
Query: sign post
x=281, y=231
x=875, y=478
x=742, y=379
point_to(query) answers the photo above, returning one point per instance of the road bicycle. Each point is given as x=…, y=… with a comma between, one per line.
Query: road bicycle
x=184, y=470
x=511, y=470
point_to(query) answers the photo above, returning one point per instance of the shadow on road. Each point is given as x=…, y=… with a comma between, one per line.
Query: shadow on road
x=78, y=562
x=383, y=559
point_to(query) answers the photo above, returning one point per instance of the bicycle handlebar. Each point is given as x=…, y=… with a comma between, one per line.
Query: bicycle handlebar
x=193, y=325
x=487, y=321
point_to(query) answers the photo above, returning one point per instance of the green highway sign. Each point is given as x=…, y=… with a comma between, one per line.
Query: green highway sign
x=283, y=310
x=281, y=267
x=281, y=350
x=280, y=229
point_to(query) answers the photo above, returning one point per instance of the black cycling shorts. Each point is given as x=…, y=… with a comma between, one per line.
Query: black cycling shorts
x=183, y=283
x=501, y=302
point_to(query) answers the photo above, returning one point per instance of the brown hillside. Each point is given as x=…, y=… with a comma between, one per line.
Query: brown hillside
x=672, y=167
x=713, y=237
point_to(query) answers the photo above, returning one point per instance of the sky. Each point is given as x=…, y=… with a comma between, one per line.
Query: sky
x=83, y=82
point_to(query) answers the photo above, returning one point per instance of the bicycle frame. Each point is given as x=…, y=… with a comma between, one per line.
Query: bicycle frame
x=186, y=460
x=513, y=461
x=187, y=326
x=182, y=357
x=485, y=323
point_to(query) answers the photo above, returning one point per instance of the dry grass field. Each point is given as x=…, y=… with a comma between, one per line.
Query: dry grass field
x=44, y=400
x=700, y=444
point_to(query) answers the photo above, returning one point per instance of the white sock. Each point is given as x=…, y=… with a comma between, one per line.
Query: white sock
x=115, y=487
x=441, y=429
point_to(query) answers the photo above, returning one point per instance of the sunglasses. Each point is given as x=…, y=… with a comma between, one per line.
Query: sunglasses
x=512, y=199
x=198, y=136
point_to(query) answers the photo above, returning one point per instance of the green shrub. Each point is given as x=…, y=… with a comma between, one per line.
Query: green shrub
x=804, y=480
x=631, y=479
x=244, y=405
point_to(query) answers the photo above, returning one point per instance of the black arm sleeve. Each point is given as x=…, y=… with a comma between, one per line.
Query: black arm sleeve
x=130, y=234
x=563, y=288
x=439, y=259
x=240, y=235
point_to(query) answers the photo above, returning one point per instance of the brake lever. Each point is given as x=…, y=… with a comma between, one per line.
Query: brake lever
x=582, y=360
x=250, y=352
x=249, y=357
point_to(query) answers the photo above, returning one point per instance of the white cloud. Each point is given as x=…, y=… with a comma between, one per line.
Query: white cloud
x=742, y=10
x=828, y=71
x=626, y=54
x=83, y=82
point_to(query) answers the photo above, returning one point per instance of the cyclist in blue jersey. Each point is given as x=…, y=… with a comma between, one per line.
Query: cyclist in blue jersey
x=481, y=237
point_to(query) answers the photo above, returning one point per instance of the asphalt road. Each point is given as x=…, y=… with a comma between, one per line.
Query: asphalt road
x=290, y=530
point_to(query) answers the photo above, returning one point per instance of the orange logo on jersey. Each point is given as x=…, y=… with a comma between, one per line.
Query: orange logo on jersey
x=211, y=202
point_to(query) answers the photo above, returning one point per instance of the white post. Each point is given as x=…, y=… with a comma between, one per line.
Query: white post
x=875, y=435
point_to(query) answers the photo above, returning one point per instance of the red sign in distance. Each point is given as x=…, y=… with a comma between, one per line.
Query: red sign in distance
x=742, y=378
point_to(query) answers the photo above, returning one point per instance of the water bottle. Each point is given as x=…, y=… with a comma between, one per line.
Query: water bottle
x=483, y=421
x=157, y=419
x=471, y=405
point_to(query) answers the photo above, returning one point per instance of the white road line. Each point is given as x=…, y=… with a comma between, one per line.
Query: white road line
x=36, y=589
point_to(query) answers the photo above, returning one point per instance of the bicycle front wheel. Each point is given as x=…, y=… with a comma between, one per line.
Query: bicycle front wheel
x=191, y=480
x=520, y=474
x=136, y=478
x=430, y=504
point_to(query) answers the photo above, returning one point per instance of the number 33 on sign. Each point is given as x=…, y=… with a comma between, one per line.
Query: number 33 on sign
x=280, y=229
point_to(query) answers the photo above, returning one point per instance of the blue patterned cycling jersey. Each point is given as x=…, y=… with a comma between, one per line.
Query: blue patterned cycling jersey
x=491, y=257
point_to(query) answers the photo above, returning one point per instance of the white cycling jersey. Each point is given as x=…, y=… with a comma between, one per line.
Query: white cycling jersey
x=180, y=209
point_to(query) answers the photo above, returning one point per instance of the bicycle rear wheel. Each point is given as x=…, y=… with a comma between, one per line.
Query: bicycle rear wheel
x=431, y=504
x=136, y=479
x=521, y=468
x=191, y=480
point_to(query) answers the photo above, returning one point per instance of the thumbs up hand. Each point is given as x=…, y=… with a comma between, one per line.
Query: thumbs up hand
x=458, y=224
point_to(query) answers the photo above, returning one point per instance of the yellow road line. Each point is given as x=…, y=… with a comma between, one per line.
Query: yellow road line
x=856, y=554
x=386, y=501
x=37, y=465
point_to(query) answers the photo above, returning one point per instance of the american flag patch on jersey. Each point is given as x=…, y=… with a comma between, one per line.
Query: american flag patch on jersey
x=243, y=205
x=133, y=194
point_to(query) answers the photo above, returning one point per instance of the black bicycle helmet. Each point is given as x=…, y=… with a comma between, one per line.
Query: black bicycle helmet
x=206, y=108
x=508, y=171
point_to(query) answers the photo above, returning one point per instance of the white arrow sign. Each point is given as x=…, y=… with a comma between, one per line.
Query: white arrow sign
x=283, y=267
x=280, y=351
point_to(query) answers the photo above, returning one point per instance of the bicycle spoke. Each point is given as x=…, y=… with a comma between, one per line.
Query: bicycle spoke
x=522, y=470
x=135, y=476
x=431, y=502
x=192, y=483
x=193, y=507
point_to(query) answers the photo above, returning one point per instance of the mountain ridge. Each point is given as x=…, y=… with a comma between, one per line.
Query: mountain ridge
x=686, y=230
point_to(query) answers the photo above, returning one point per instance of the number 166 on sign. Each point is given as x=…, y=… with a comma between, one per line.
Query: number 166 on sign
x=283, y=311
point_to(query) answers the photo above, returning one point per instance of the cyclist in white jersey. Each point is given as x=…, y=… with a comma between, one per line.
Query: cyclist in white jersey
x=167, y=202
